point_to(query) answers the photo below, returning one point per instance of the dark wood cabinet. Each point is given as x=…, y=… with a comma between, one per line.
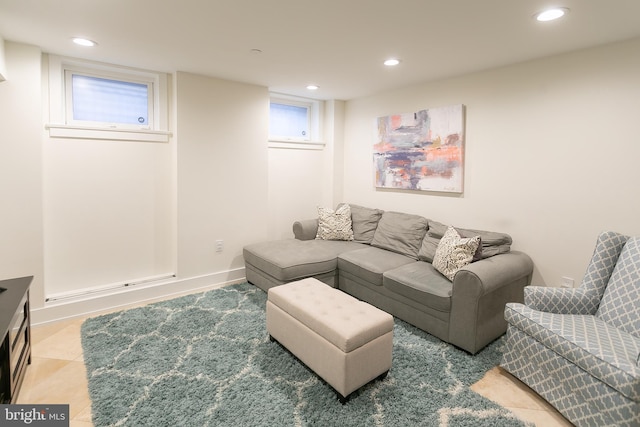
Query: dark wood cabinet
x=15, y=351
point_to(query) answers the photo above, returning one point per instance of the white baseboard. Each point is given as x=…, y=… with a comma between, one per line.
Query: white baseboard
x=125, y=297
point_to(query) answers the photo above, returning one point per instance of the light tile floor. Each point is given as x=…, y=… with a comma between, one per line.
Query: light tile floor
x=57, y=375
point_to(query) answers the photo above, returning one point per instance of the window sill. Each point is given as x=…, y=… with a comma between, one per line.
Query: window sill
x=296, y=145
x=82, y=132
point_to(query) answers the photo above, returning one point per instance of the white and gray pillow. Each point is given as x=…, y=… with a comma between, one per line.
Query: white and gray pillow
x=454, y=252
x=335, y=225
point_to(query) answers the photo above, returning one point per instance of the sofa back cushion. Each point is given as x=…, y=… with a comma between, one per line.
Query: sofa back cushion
x=400, y=232
x=491, y=243
x=365, y=222
x=430, y=242
x=620, y=305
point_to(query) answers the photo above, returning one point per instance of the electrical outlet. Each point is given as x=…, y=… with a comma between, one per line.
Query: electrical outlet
x=219, y=245
x=567, y=282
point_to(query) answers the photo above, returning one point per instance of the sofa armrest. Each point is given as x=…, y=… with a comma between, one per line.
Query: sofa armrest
x=305, y=229
x=490, y=274
x=479, y=295
x=562, y=301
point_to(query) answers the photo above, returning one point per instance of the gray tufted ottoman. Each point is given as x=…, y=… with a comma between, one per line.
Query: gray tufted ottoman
x=345, y=341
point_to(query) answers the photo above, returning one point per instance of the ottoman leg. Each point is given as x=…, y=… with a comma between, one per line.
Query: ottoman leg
x=342, y=398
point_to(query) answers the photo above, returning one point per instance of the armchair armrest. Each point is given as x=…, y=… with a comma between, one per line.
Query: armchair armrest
x=563, y=301
x=305, y=229
x=479, y=295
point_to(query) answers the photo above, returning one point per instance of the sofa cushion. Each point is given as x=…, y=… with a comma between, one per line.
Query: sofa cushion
x=370, y=263
x=292, y=259
x=492, y=243
x=602, y=350
x=334, y=225
x=620, y=305
x=419, y=281
x=430, y=242
x=401, y=233
x=365, y=222
x=454, y=252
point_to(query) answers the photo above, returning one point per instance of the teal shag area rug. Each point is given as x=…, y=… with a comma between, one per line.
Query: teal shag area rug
x=206, y=360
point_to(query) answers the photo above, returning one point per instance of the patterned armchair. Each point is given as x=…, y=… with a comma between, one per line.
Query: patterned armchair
x=580, y=348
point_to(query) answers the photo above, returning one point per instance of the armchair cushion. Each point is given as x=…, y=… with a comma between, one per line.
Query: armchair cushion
x=598, y=348
x=563, y=301
x=604, y=258
x=620, y=305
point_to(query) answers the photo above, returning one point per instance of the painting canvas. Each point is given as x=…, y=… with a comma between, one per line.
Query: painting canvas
x=421, y=151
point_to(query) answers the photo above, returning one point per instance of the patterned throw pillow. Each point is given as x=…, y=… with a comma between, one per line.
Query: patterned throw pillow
x=335, y=225
x=454, y=252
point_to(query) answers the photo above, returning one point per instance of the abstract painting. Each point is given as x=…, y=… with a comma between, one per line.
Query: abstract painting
x=421, y=151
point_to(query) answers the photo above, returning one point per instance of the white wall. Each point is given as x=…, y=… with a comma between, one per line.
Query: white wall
x=296, y=181
x=3, y=61
x=108, y=204
x=107, y=212
x=551, y=153
x=300, y=180
x=216, y=180
x=21, y=237
x=222, y=129
x=334, y=131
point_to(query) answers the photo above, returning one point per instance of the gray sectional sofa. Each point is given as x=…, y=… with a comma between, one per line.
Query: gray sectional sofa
x=388, y=261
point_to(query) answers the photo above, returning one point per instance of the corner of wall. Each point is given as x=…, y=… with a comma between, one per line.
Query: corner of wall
x=334, y=120
x=3, y=62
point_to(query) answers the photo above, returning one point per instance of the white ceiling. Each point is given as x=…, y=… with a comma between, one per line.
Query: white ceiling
x=337, y=44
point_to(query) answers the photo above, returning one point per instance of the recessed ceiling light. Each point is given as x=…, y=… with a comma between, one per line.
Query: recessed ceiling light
x=313, y=87
x=551, y=14
x=391, y=62
x=84, y=42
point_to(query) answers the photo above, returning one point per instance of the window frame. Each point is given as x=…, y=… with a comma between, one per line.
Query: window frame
x=314, y=119
x=61, y=123
x=150, y=83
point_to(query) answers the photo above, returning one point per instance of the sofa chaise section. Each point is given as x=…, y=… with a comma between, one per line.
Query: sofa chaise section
x=278, y=262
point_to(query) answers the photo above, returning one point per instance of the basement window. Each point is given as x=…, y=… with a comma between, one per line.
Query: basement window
x=101, y=101
x=289, y=121
x=108, y=102
x=294, y=120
